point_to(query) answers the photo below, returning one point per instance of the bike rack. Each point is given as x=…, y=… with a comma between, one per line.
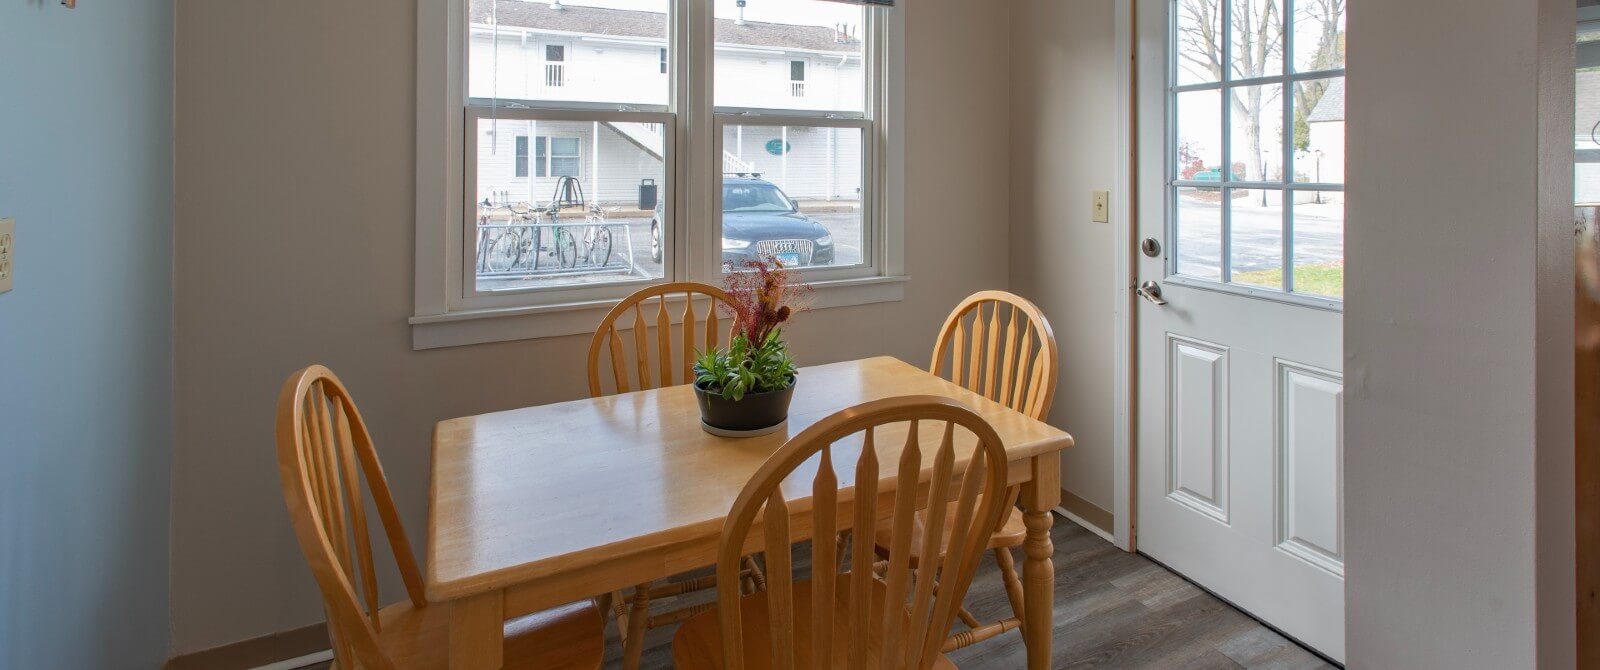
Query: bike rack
x=580, y=270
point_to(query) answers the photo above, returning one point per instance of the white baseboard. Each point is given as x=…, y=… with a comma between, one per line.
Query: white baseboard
x=299, y=662
x=1086, y=525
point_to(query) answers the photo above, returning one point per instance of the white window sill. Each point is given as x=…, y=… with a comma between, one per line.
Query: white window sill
x=455, y=329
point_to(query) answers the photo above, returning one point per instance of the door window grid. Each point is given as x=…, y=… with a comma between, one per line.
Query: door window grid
x=1288, y=78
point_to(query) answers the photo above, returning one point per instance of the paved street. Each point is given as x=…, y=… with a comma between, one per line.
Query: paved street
x=1257, y=235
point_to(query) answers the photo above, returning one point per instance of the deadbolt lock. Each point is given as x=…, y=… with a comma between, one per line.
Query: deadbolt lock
x=1150, y=247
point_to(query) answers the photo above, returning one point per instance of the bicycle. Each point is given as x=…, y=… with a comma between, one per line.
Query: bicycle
x=596, y=238
x=503, y=248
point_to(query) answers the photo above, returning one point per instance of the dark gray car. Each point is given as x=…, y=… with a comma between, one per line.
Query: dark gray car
x=759, y=220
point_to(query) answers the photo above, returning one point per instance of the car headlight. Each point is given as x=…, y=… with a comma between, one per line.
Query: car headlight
x=729, y=244
x=825, y=240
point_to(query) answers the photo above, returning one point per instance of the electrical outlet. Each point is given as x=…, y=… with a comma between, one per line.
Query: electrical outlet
x=8, y=249
x=1102, y=206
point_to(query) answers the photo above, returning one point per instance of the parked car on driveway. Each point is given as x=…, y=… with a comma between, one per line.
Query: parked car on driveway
x=759, y=220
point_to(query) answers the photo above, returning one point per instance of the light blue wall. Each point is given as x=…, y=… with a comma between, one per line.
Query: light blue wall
x=86, y=337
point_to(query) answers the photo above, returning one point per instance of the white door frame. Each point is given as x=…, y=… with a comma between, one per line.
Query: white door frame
x=1125, y=229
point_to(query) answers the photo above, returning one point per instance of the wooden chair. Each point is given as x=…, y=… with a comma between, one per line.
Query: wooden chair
x=889, y=614
x=322, y=444
x=648, y=307
x=999, y=346
x=652, y=365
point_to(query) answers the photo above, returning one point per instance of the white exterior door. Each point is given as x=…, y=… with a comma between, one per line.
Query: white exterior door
x=1240, y=392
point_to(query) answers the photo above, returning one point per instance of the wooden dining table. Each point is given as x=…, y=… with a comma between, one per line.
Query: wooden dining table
x=541, y=506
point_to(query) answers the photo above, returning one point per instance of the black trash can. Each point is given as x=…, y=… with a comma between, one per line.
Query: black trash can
x=647, y=194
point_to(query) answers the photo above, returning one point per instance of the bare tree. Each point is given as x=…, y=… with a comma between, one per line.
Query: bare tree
x=1256, y=50
x=1329, y=54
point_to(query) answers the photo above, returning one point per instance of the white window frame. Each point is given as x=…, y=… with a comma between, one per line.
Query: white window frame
x=1287, y=78
x=448, y=310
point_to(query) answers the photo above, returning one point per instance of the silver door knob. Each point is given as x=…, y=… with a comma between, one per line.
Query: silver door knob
x=1151, y=291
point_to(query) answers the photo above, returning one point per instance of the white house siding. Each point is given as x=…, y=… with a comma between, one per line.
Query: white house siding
x=1587, y=185
x=597, y=69
x=628, y=70
x=1327, y=137
x=745, y=79
x=622, y=163
x=821, y=164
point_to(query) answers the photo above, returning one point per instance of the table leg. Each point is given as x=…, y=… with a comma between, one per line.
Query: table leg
x=631, y=626
x=1039, y=496
x=477, y=634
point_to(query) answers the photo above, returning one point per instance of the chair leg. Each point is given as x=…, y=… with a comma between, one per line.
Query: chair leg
x=634, y=625
x=1008, y=574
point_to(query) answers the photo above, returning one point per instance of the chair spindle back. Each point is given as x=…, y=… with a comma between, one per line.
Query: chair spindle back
x=911, y=629
x=1000, y=346
x=648, y=308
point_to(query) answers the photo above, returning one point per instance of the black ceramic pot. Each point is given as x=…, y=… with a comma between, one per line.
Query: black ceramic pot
x=754, y=412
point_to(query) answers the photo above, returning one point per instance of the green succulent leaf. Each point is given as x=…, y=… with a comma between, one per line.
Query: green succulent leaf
x=745, y=368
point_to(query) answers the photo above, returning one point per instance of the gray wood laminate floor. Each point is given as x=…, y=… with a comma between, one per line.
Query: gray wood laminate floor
x=1113, y=610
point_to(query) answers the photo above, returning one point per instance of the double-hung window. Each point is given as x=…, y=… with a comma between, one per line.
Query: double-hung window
x=559, y=170
x=1256, y=153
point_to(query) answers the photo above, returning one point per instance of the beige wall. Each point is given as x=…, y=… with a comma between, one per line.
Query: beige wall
x=1458, y=335
x=1063, y=146
x=295, y=163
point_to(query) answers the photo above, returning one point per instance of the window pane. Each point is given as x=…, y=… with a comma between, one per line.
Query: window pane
x=579, y=50
x=793, y=193
x=1257, y=132
x=1199, y=233
x=1319, y=243
x=522, y=156
x=1199, y=41
x=1199, y=115
x=1257, y=34
x=590, y=218
x=1319, y=35
x=795, y=54
x=1255, y=221
x=1319, y=131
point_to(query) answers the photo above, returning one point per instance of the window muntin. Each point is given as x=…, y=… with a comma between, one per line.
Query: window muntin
x=1257, y=151
x=827, y=160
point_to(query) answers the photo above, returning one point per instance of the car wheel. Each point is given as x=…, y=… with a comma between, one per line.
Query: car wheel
x=655, y=242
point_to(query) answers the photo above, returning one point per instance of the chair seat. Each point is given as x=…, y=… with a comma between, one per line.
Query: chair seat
x=698, y=643
x=1012, y=533
x=570, y=636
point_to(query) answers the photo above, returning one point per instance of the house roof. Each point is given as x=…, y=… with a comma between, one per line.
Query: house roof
x=541, y=15
x=1331, y=106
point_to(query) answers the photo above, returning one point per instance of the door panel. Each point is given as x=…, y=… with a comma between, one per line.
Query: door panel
x=1197, y=416
x=1239, y=440
x=1310, y=440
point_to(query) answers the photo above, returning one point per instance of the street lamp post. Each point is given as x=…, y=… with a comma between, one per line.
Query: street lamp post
x=1319, y=174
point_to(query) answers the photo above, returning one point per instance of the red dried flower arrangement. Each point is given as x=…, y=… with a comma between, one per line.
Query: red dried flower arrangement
x=765, y=296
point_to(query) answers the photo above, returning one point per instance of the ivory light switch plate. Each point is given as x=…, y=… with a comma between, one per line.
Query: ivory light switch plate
x=1102, y=206
x=8, y=249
